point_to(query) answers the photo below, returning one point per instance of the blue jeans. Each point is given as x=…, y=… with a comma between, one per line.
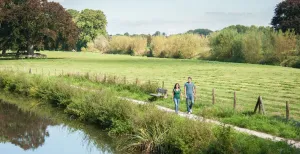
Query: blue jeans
x=189, y=102
x=176, y=102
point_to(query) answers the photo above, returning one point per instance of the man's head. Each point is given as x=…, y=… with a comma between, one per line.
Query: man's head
x=189, y=79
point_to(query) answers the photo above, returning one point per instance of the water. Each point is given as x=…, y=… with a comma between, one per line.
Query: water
x=27, y=133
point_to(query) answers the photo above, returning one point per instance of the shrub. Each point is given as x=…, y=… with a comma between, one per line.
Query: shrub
x=292, y=61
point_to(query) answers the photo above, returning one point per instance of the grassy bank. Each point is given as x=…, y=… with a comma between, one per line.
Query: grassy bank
x=147, y=130
x=274, y=125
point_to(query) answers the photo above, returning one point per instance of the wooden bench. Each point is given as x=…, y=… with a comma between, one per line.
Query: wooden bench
x=160, y=93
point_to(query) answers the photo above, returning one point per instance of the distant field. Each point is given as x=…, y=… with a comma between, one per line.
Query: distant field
x=275, y=84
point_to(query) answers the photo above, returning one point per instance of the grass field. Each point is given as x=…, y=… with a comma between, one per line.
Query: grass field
x=275, y=84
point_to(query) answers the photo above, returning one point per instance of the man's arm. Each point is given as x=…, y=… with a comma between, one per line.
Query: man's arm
x=194, y=89
x=185, y=90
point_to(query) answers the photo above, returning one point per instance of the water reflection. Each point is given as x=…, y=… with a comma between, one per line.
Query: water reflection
x=26, y=132
x=22, y=129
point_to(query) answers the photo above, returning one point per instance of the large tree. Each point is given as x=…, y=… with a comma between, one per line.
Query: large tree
x=287, y=16
x=91, y=24
x=30, y=24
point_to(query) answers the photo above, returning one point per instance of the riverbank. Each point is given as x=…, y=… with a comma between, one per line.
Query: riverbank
x=149, y=129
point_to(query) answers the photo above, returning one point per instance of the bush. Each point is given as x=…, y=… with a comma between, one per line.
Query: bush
x=179, y=46
x=292, y=61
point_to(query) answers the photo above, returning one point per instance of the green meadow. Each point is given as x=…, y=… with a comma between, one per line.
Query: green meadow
x=275, y=84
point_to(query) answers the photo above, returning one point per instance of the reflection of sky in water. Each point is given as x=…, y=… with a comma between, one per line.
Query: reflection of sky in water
x=61, y=141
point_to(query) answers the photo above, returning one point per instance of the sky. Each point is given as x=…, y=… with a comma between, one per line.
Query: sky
x=177, y=16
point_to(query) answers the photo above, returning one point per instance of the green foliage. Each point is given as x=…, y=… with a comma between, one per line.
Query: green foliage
x=91, y=23
x=135, y=45
x=287, y=16
x=259, y=45
x=36, y=24
x=204, y=32
x=178, y=46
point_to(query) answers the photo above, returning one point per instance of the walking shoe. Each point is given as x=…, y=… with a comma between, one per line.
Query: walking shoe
x=191, y=111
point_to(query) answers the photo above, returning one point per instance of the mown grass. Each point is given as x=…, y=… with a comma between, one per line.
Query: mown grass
x=149, y=129
x=275, y=84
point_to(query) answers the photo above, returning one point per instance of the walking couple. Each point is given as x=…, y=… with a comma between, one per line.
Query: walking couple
x=189, y=91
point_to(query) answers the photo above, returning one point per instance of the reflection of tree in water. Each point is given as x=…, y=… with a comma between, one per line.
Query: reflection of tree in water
x=23, y=129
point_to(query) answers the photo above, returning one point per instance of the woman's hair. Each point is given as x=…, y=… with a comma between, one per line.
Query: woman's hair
x=176, y=84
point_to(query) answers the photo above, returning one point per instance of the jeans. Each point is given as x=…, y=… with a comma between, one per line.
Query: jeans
x=189, y=102
x=176, y=102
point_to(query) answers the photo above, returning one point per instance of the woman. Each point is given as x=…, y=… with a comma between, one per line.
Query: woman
x=176, y=96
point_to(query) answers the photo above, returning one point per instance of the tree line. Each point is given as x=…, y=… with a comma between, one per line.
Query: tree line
x=28, y=25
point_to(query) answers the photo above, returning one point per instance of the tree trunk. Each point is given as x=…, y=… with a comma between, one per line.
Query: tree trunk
x=3, y=51
x=30, y=50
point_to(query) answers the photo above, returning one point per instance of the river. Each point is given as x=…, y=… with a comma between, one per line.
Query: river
x=23, y=132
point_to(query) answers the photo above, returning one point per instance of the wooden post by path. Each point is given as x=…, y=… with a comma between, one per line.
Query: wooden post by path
x=259, y=105
x=114, y=79
x=213, y=96
x=136, y=81
x=287, y=111
x=29, y=70
x=104, y=80
x=163, y=84
x=234, y=100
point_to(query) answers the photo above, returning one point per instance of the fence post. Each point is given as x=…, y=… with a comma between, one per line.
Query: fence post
x=125, y=80
x=234, y=100
x=163, y=84
x=29, y=70
x=287, y=111
x=136, y=81
x=114, y=79
x=213, y=96
x=104, y=80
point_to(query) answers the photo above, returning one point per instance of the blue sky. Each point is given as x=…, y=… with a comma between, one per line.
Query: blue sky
x=177, y=16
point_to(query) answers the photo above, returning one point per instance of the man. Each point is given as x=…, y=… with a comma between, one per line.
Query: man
x=190, y=92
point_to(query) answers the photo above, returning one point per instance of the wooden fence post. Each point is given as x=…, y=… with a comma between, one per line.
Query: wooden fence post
x=163, y=84
x=104, y=80
x=259, y=105
x=213, y=96
x=29, y=70
x=114, y=79
x=287, y=111
x=136, y=81
x=234, y=100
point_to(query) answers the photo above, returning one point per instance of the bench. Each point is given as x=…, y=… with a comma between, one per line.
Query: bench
x=160, y=93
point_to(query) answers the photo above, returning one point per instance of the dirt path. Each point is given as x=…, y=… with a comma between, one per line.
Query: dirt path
x=243, y=130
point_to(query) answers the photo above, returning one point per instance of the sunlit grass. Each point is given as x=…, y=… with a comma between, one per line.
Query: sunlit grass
x=275, y=84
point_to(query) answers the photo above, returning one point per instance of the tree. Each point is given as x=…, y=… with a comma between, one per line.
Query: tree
x=204, y=32
x=287, y=16
x=73, y=13
x=157, y=33
x=29, y=24
x=126, y=34
x=91, y=24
